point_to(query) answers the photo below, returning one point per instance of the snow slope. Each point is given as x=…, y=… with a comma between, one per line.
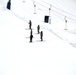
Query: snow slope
x=53, y=56
x=3, y=3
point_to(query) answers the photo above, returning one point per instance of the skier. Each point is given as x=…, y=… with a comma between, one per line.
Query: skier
x=65, y=23
x=30, y=24
x=31, y=37
x=41, y=35
x=31, y=32
x=38, y=29
x=9, y=4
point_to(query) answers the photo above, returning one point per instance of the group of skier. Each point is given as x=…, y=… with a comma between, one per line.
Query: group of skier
x=30, y=25
x=38, y=31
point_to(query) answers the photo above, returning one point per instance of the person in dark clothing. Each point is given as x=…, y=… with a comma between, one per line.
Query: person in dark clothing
x=65, y=23
x=38, y=29
x=31, y=37
x=31, y=32
x=41, y=35
x=30, y=24
x=9, y=4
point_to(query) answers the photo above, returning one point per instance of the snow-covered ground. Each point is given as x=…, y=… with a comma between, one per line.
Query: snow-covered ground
x=56, y=55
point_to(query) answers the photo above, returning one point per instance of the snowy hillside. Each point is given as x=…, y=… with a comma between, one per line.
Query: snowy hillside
x=55, y=55
x=59, y=9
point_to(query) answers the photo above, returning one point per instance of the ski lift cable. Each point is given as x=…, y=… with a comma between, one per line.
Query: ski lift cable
x=59, y=8
x=58, y=12
x=40, y=4
x=64, y=15
x=45, y=11
x=61, y=14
